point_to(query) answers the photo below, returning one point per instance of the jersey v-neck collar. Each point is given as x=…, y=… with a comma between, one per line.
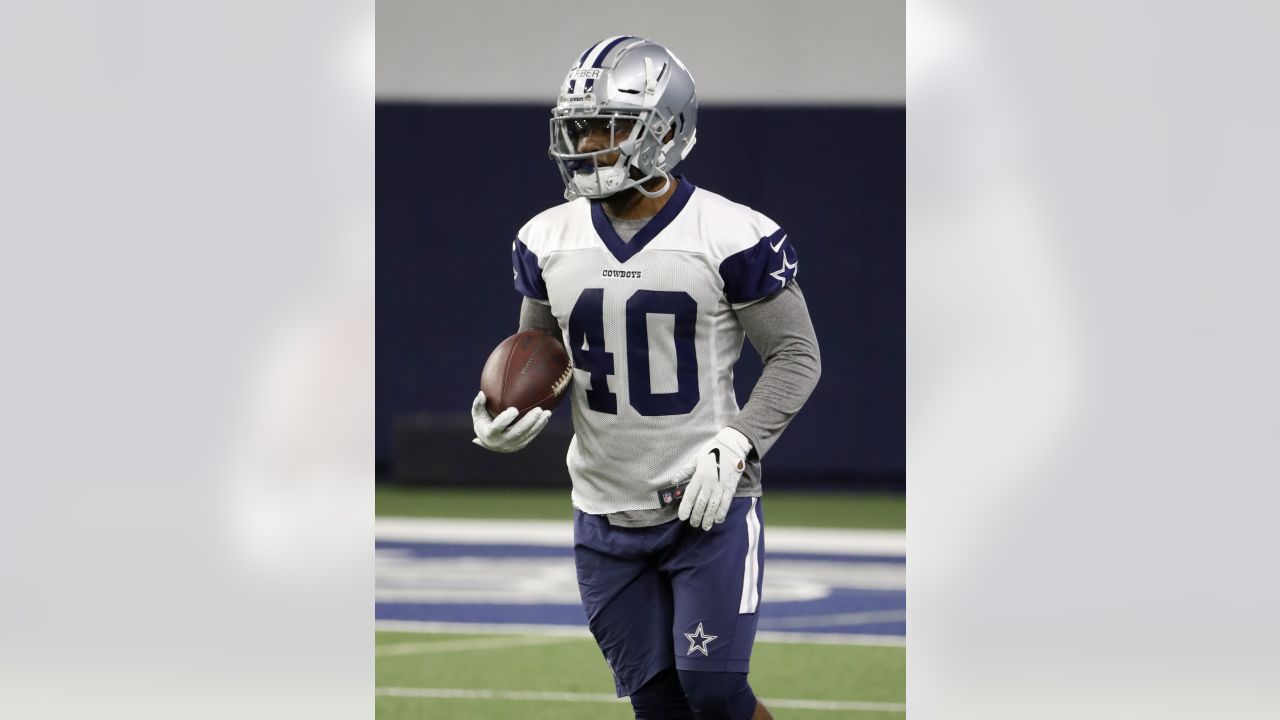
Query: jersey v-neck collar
x=624, y=251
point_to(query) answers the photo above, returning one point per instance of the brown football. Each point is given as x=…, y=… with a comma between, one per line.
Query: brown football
x=527, y=370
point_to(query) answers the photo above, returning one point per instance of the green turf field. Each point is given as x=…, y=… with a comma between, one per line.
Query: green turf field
x=482, y=677
x=804, y=509
x=548, y=666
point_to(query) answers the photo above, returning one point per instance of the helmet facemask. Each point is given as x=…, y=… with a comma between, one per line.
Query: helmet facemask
x=597, y=151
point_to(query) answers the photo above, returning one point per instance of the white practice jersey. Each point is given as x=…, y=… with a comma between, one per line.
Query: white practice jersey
x=651, y=331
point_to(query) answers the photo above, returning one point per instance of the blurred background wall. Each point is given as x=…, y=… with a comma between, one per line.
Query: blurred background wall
x=802, y=117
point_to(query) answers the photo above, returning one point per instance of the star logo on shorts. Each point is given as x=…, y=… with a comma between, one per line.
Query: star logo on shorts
x=694, y=644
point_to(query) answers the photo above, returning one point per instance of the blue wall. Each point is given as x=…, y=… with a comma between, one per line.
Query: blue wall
x=455, y=183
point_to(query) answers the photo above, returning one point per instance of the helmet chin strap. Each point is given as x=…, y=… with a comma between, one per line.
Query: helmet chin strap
x=658, y=193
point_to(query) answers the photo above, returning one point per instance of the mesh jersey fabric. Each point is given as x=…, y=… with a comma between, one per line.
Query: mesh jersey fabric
x=653, y=335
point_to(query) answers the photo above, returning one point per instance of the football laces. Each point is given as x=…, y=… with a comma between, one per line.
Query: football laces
x=562, y=382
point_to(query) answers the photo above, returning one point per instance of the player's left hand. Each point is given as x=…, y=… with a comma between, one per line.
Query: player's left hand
x=713, y=479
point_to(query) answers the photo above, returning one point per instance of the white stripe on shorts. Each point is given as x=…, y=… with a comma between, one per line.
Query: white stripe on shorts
x=751, y=568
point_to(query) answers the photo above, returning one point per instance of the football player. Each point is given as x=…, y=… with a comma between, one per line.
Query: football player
x=653, y=283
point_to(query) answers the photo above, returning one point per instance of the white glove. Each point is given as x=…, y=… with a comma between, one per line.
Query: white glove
x=498, y=434
x=715, y=472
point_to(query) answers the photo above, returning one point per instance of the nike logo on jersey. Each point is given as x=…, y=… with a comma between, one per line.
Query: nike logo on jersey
x=775, y=246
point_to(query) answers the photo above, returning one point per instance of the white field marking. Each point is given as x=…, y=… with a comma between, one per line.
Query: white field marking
x=555, y=533
x=577, y=631
x=401, y=577
x=796, y=638
x=463, y=694
x=525, y=695
x=852, y=705
x=426, y=626
x=489, y=643
x=853, y=618
x=543, y=533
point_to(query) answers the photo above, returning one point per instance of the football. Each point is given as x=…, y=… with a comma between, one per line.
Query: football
x=527, y=370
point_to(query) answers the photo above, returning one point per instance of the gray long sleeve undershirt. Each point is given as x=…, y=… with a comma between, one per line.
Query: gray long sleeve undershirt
x=780, y=330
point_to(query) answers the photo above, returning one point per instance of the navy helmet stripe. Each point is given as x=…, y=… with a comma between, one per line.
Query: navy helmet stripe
x=597, y=50
x=588, y=52
x=603, y=53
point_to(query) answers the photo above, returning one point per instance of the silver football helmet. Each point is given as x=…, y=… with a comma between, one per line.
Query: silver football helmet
x=626, y=114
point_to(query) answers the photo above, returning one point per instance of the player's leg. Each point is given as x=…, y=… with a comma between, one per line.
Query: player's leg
x=722, y=695
x=661, y=698
x=716, y=579
x=629, y=611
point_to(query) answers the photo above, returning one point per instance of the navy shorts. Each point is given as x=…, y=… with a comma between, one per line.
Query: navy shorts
x=672, y=594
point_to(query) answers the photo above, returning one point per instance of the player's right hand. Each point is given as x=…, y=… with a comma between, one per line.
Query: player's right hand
x=499, y=434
